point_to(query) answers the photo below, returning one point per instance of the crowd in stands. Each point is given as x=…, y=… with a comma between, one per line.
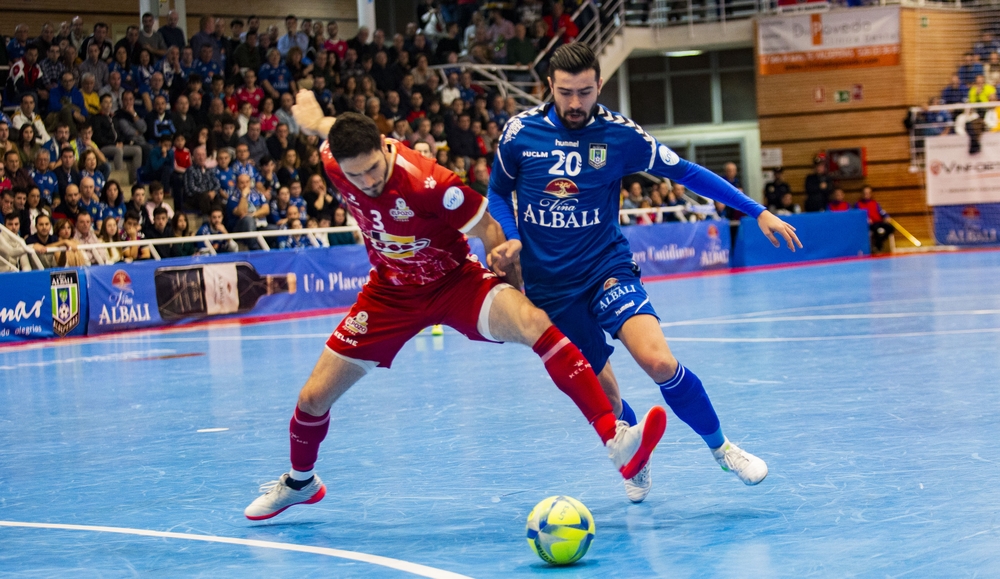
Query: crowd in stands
x=207, y=122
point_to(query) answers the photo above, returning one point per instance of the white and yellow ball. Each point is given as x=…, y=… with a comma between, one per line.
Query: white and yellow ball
x=560, y=530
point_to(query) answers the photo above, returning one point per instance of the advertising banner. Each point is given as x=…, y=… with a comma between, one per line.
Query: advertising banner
x=956, y=177
x=147, y=294
x=666, y=248
x=42, y=304
x=969, y=225
x=825, y=235
x=841, y=39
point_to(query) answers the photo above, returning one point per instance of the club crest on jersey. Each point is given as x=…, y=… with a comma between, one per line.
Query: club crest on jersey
x=562, y=188
x=396, y=246
x=598, y=155
x=357, y=324
x=401, y=212
x=612, y=282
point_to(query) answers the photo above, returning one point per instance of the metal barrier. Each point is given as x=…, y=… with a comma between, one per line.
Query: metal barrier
x=928, y=122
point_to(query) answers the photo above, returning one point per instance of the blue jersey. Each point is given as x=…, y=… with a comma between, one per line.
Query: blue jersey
x=568, y=185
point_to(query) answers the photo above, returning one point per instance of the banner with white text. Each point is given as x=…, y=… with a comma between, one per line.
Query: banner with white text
x=839, y=39
x=42, y=304
x=667, y=248
x=176, y=291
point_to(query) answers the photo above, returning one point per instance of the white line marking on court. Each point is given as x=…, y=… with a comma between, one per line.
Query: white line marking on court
x=711, y=322
x=406, y=566
x=96, y=358
x=212, y=429
x=831, y=338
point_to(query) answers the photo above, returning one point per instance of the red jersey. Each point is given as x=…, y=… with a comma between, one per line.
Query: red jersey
x=243, y=95
x=415, y=230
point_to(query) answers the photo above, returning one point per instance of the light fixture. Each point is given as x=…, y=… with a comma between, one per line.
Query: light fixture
x=682, y=53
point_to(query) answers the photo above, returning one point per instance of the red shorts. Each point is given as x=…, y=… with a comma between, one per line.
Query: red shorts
x=386, y=316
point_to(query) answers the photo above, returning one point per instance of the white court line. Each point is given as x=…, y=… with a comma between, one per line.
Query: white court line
x=832, y=338
x=414, y=568
x=212, y=430
x=717, y=322
x=96, y=358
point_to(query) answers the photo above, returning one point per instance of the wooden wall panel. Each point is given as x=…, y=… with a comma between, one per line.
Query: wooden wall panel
x=879, y=149
x=933, y=44
x=845, y=124
x=779, y=94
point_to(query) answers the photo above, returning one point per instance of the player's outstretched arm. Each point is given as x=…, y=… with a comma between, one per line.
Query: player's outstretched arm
x=309, y=115
x=771, y=224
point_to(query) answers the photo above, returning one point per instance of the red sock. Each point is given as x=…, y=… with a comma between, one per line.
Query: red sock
x=306, y=433
x=573, y=375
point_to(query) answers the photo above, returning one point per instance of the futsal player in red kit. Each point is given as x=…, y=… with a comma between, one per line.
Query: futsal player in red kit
x=414, y=216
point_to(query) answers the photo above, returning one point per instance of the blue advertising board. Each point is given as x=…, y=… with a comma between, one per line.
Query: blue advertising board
x=149, y=293
x=967, y=225
x=825, y=235
x=42, y=304
x=667, y=248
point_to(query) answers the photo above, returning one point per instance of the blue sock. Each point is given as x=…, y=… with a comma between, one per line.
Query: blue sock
x=686, y=396
x=628, y=415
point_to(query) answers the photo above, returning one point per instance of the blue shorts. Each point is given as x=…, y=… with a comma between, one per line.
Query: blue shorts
x=605, y=307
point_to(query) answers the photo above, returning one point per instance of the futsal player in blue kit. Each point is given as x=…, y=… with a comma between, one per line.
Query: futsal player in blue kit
x=565, y=160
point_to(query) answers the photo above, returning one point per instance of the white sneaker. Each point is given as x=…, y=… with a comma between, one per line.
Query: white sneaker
x=750, y=469
x=637, y=487
x=278, y=496
x=629, y=450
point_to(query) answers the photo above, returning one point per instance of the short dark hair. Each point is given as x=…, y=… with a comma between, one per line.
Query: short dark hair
x=12, y=215
x=132, y=216
x=574, y=59
x=353, y=135
x=159, y=211
x=155, y=186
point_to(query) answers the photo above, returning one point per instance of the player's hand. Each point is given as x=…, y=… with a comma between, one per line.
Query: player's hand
x=770, y=225
x=309, y=115
x=504, y=256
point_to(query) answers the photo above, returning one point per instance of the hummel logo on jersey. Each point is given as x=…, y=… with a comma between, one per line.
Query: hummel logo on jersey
x=567, y=143
x=430, y=183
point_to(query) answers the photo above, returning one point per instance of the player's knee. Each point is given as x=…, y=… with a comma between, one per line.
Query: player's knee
x=660, y=366
x=312, y=404
x=534, y=321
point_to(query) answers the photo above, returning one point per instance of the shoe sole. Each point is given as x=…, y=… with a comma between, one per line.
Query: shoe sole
x=311, y=500
x=655, y=423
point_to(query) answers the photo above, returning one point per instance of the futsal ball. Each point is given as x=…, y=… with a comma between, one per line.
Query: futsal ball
x=560, y=530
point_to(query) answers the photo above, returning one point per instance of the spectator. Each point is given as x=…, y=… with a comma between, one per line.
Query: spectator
x=151, y=39
x=43, y=177
x=343, y=237
x=774, y=190
x=878, y=219
x=293, y=37
x=972, y=68
x=206, y=37
x=91, y=99
x=279, y=142
x=5, y=143
x=560, y=24
x=818, y=186
x=672, y=199
x=130, y=232
x=109, y=234
x=84, y=234
x=25, y=76
x=730, y=173
x=334, y=44
x=160, y=229
x=131, y=130
x=288, y=171
x=294, y=222
x=275, y=77
x=992, y=69
x=66, y=103
x=279, y=209
x=214, y=226
x=482, y=174
x=35, y=208
x=174, y=73
x=42, y=240
x=18, y=43
x=70, y=256
x=28, y=145
x=244, y=165
x=837, y=202
x=70, y=61
x=66, y=173
x=69, y=207
x=52, y=68
x=114, y=90
x=461, y=139
x=183, y=122
x=113, y=203
x=94, y=66
x=88, y=168
x=785, y=205
x=247, y=209
x=128, y=74
x=179, y=224
x=247, y=56
x=285, y=116
x=156, y=201
x=500, y=30
x=18, y=175
x=980, y=92
x=137, y=204
x=201, y=185
x=317, y=197
x=76, y=36
x=159, y=122
x=90, y=203
x=171, y=33
x=99, y=39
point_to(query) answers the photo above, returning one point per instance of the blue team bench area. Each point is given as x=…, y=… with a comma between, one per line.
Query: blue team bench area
x=146, y=294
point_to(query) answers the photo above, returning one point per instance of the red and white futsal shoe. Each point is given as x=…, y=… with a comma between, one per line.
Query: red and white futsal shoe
x=279, y=496
x=629, y=450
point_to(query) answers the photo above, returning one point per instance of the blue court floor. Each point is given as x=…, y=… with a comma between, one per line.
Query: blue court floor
x=869, y=387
